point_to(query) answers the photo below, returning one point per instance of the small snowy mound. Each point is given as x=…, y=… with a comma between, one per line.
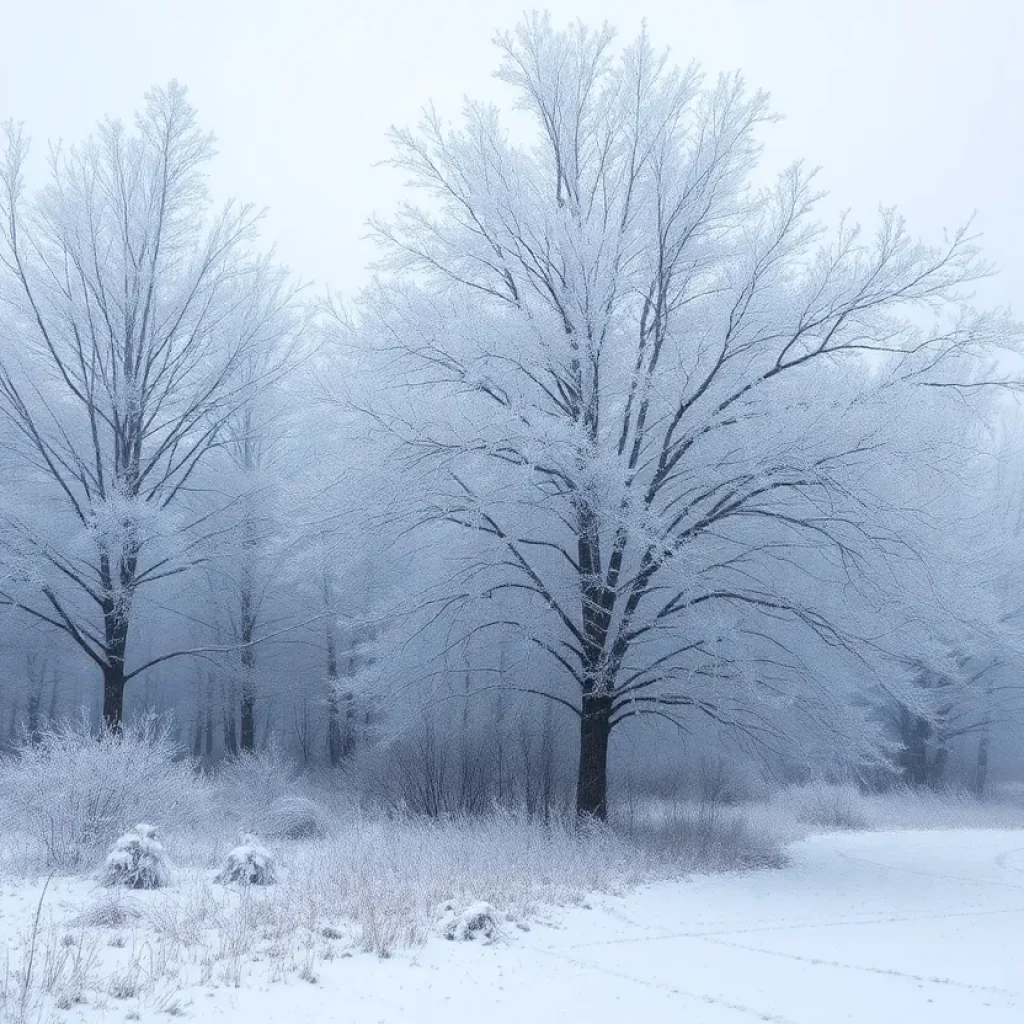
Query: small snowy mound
x=477, y=921
x=294, y=817
x=249, y=864
x=137, y=861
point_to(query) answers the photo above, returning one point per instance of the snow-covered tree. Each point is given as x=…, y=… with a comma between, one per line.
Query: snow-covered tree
x=127, y=317
x=683, y=425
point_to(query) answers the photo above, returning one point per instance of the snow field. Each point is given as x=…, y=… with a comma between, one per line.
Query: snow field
x=891, y=926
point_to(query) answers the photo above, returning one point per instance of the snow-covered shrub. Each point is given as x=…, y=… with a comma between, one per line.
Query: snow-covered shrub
x=73, y=792
x=249, y=864
x=249, y=784
x=476, y=921
x=294, y=817
x=723, y=781
x=707, y=837
x=136, y=861
x=827, y=806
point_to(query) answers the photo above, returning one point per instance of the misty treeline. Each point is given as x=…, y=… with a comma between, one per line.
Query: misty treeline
x=627, y=460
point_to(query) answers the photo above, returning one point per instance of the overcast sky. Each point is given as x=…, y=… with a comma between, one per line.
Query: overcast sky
x=916, y=103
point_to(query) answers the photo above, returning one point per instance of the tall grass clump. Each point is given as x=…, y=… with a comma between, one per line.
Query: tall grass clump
x=72, y=791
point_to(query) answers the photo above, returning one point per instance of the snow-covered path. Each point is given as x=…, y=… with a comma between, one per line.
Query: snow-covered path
x=909, y=927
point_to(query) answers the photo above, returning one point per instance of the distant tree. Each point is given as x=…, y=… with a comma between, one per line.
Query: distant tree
x=127, y=317
x=671, y=411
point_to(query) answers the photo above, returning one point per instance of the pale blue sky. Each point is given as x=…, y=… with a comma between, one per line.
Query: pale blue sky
x=910, y=102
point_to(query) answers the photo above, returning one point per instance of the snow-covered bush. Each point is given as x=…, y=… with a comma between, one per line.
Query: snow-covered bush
x=476, y=921
x=137, y=861
x=827, y=806
x=72, y=792
x=706, y=837
x=294, y=817
x=720, y=780
x=249, y=864
x=251, y=782
x=261, y=792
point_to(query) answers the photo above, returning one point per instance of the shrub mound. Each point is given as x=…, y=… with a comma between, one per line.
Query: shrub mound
x=478, y=921
x=248, y=864
x=137, y=861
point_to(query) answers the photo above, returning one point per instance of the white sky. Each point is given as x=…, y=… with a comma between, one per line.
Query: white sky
x=916, y=103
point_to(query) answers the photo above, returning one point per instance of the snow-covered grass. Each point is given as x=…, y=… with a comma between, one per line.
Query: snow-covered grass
x=821, y=807
x=347, y=880
x=373, y=884
x=70, y=795
x=868, y=926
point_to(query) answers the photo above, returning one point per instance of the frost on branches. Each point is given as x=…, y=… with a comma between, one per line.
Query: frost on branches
x=137, y=861
x=146, y=341
x=685, y=446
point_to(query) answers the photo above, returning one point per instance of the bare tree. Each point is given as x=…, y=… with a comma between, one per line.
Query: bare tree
x=128, y=314
x=669, y=404
x=253, y=436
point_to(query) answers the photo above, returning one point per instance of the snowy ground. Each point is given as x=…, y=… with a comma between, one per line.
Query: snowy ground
x=877, y=927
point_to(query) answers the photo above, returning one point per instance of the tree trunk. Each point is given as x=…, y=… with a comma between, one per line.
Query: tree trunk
x=197, y=736
x=230, y=721
x=915, y=732
x=592, y=780
x=334, y=739
x=547, y=761
x=248, y=733
x=51, y=715
x=981, y=771
x=113, y=694
x=248, y=657
x=348, y=744
x=937, y=769
x=596, y=615
x=116, y=611
x=34, y=730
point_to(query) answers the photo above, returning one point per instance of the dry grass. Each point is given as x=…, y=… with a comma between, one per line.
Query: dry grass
x=369, y=882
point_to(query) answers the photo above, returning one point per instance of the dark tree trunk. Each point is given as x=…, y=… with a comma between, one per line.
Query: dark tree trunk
x=113, y=694
x=915, y=733
x=334, y=739
x=34, y=730
x=51, y=715
x=596, y=616
x=197, y=736
x=547, y=761
x=592, y=780
x=230, y=722
x=981, y=771
x=335, y=748
x=937, y=768
x=248, y=656
x=247, y=736
x=116, y=611
x=348, y=743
